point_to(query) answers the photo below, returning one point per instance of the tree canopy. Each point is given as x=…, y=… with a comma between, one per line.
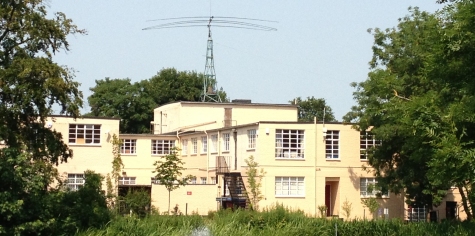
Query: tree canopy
x=419, y=100
x=31, y=83
x=134, y=102
x=313, y=107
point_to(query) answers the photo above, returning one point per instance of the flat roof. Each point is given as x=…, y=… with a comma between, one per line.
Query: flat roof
x=231, y=104
x=86, y=117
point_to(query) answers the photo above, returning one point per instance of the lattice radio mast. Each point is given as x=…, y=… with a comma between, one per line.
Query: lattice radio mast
x=210, y=92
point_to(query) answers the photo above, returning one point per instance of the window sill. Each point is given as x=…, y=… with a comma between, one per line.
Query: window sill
x=289, y=196
x=84, y=145
x=128, y=154
x=214, y=153
x=333, y=159
x=289, y=159
x=251, y=149
x=364, y=160
x=226, y=151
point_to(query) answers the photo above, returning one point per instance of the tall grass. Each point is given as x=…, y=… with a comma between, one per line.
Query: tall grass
x=151, y=225
x=274, y=221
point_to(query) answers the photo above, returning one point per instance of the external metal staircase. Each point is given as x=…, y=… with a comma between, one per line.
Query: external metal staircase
x=237, y=196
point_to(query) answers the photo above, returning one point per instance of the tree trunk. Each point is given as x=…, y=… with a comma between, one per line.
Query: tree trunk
x=465, y=203
x=168, y=202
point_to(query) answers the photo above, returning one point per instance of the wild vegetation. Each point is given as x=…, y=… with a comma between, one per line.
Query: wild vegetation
x=273, y=221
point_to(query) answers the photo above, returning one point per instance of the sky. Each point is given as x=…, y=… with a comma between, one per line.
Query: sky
x=319, y=48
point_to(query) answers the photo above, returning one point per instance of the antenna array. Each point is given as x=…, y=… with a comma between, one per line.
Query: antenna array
x=210, y=92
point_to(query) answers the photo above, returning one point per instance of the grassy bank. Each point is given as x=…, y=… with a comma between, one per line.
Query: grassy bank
x=273, y=222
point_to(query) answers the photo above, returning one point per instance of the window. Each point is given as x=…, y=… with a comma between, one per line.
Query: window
x=84, y=134
x=214, y=143
x=290, y=186
x=332, y=144
x=251, y=139
x=194, y=143
x=193, y=180
x=369, y=188
x=128, y=146
x=226, y=142
x=126, y=180
x=213, y=180
x=203, y=180
x=162, y=147
x=204, y=144
x=367, y=141
x=75, y=181
x=184, y=146
x=289, y=144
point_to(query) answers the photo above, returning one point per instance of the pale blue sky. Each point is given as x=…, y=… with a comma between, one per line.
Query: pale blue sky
x=320, y=47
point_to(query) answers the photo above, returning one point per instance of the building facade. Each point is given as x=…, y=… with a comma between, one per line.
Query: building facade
x=307, y=164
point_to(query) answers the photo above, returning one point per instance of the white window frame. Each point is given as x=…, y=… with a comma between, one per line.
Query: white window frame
x=289, y=186
x=251, y=139
x=289, y=144
x=204, y=144
x=332, y=145
x=129, y=145
x=226, y=138
x=75, y=181
x=194, y=143
x=367, y=141
x=162, y=147
x=126, y=180
x=193, y=180
x=214, y=143
x=364, y=183
x=85, y=134
x=213, y=180
x=184, y=147
x=203, y=180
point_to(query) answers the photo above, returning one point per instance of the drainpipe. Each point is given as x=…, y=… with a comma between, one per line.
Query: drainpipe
x=207, y=155
x=161, y=124
x=315, y=164
x=235, y=148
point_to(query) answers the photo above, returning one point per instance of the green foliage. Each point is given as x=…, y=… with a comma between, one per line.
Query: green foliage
x=168, y=172
x=31, y=84
x=347, y=208
x=254, y=181
x=119, y=98
x=86, y=207
x=322, y=209
x=419, y=99
x=313, y=107
x=132, y=102
x=137, y=201
x=371, y=203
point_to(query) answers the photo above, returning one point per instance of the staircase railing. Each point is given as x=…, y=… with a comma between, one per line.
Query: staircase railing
x=222, y=164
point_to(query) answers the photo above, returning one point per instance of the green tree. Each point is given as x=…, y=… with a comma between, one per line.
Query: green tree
x=134, y=102
x=31, y=84
x=168, y=172
x=419, y=99
x=313, y=107
x=254, y=181
x=372, y=204
x=119, y=98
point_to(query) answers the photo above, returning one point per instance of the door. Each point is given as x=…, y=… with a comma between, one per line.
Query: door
x=328, y=197
x=450, y=210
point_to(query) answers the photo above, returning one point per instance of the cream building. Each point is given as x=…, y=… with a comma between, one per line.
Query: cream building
x=307, y=164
